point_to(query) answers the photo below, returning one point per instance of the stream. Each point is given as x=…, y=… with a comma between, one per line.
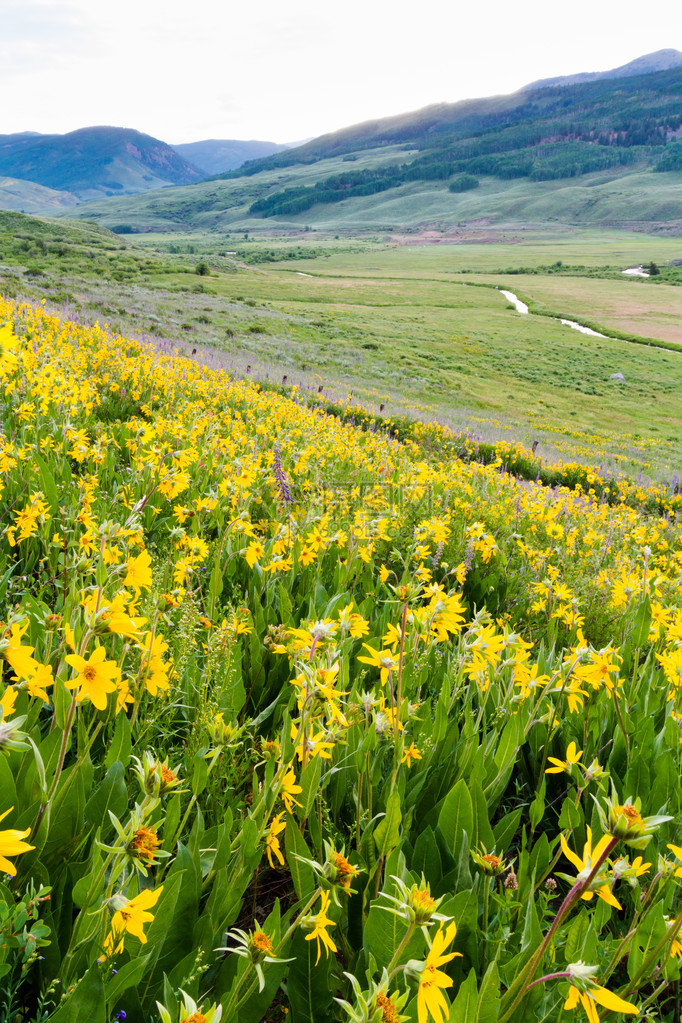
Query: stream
x=521, y=307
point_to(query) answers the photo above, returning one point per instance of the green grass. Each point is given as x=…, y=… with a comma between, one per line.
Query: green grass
x=625, y=200
x=398, y=325
x=29, y=197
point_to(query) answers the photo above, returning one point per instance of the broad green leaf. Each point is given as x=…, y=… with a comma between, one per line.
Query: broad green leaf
x=110, y=795
x=309, y=987
x=571, y=816
x=301, y=874
x=505, y=829
x=483, y=833
x=127, y=976
x=642, y=623
x=121, y=745
x=310, y=785
x=465, y=1006
x=488, y=1008
x=456, y=816
x=647, y=936
x=387, y=831
x=87, y=1003
x=426, y=858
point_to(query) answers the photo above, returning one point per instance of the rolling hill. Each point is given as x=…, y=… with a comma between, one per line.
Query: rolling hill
x=607, y=151
x=215, y=156
x=28, y=197
x=94, y=161
x=661, y=60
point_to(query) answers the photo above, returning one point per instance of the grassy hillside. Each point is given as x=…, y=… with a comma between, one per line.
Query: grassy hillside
x=604, y=152
x=94, y=161
x=306, y=718
x=28, y=197
x=625, y=112
x=214, y=156
x=638, y=197
x=399, y=325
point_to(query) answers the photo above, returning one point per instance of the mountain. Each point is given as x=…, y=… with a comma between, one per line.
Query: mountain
x=215, y=156
x=600, y=152
x=661, y=60
x=27, y=197
x=94, y=161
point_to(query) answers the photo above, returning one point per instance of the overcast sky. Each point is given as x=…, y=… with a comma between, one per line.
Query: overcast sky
x=285, y=71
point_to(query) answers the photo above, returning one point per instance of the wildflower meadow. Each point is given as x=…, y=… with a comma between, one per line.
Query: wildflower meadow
x=312, y=716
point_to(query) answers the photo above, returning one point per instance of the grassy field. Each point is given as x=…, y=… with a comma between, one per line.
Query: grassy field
x=628, y=200
x=398, y=325
x=291, y=706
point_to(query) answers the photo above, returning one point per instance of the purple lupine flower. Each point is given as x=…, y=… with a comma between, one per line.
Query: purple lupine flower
x=280, y=476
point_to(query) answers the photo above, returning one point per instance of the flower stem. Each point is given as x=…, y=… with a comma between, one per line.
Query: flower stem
x=520, y=985
x=393, y=965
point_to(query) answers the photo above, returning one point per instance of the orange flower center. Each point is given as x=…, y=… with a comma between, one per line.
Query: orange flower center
x=389, y=1013
x=628, y=810
x=422, y=900
x=144, y=843
x=346, y=871
x=494, y=861
x=167, y=776
x=261, y=941
x=89, y=673
x=197, y=1017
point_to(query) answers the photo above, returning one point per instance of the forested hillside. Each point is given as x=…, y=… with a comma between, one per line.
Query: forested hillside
x=544, y=135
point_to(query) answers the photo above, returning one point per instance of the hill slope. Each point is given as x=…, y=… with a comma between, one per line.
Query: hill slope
x=28, y=197
x=661, y=60
x=602, y=152
x=94, y=161
x=216, y=156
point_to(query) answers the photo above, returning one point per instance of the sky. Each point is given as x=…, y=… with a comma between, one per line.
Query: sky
x=284, y=72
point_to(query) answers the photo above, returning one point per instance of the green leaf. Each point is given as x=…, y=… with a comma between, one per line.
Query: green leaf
x=199, y=774
x=532, y=932
x=456, y=816
x=465, y=1005
x=121, y=744
x=111, y=795
x=647, y=936
x=383, y=933
x=129, y=975
x=310, y=785
x=571, y=816
x=576, y=939
x=664, y=785
x=488, y=1008
x=8, y=789
x=87, y=1003
x=642, y=623
x=537, y=807
x=483, y=833
x=47, y=482
x=309, y=986
x=426, y=858
x=505, y=829
x=387, y=831
x=301, y=874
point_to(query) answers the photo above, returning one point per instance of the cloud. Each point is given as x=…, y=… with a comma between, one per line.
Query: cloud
x=37, y=33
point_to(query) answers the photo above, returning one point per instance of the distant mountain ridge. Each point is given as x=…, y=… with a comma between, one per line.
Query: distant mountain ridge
x=215, y=156
x=560, y=143
x=637, y=110
x=660, y=60
x=95, y=161
x=604, y=151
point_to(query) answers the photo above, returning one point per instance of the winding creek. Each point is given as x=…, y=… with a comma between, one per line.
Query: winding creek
x=521, y=307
